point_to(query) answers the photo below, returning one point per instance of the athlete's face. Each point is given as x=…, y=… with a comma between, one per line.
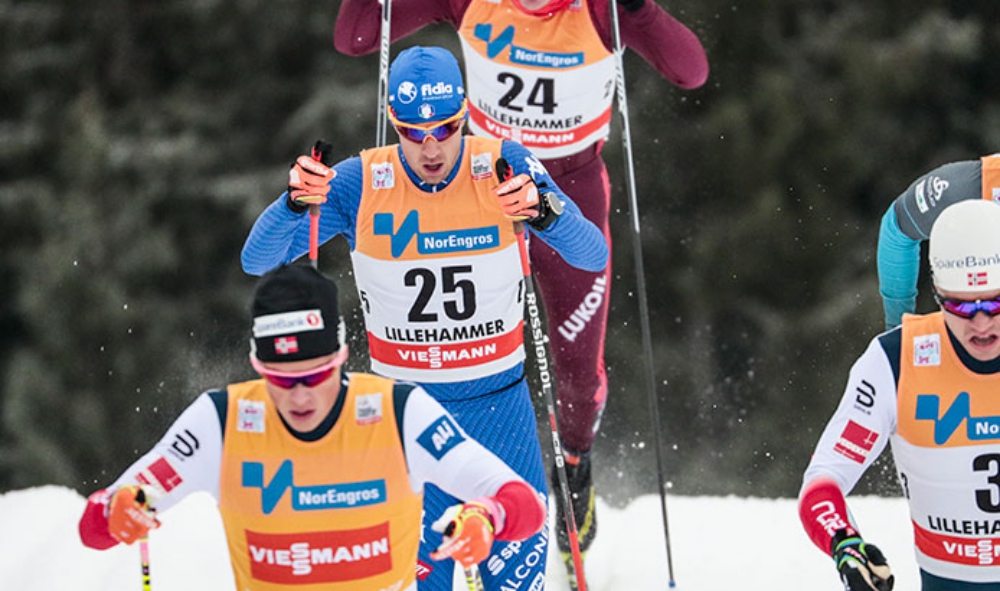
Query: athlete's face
x=304, y=407
x=432, y=160
x=980, y=335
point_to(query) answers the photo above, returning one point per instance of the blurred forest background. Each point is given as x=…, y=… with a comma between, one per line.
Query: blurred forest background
x=139, y=141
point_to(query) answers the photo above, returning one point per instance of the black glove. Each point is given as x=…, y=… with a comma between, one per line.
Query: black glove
x=309, y=178
x=631, y=5
x=862, y=566
x=550, y=208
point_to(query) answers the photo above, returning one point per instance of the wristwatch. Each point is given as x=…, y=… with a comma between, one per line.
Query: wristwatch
x=550, y=208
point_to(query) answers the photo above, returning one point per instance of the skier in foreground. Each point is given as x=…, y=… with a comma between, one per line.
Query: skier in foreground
x=318, y=473
x=932, y=386
x=542, y=72
x=909, y=219
x=437, y=266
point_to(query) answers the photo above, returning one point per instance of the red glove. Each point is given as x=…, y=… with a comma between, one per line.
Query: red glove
x=309, y=181
x=129, y=515
x=468, y=533
x=518, y=198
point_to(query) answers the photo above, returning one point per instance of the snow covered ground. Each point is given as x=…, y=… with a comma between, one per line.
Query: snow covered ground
x=719, y=544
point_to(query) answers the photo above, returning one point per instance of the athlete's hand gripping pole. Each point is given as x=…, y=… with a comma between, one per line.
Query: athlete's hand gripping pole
x=130, y=515
x=862, y=566
x=130, y=518
x=322, y=153
x=468, y=537
x=539, y=341
x=308, y=184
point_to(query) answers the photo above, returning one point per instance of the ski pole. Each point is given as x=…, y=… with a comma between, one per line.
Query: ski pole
x=143, y=500
x=314, y=235
x=542, y=360
x=640, y=274
x=144, y=557
x=473, y=579
x=381, y=125
x=320, y=153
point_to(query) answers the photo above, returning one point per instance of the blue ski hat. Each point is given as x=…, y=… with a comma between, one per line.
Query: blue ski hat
x=425, y=85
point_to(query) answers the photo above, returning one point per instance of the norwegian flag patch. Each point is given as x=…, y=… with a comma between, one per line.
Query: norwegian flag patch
x=286, y=345
x=977, y=278
x=856, y=442
x=160, y=475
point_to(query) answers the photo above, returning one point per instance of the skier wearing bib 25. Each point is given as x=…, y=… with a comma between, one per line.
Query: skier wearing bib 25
x=542, y=73
x=930, y=386
x=318, y=474
x=438, y=270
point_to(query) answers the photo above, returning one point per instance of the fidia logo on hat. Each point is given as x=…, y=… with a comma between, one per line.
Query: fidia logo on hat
x=425, y=85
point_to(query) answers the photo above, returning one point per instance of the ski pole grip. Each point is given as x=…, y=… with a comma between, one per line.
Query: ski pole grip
x=322, y=152
x=502, y=168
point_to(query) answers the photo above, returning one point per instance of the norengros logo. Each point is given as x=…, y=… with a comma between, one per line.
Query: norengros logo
x=433, y=242
x=523, y=55
x=310, y=498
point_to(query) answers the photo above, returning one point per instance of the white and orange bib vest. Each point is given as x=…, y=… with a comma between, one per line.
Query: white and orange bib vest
x=546, y=83
x=947, y=451
x=334, y=514
x=439, y=274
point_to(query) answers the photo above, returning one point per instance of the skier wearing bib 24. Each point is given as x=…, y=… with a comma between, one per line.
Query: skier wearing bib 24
x=930, y=386
x=318, y=473
x=438, y=270
x=909, y=219
x=542, y=73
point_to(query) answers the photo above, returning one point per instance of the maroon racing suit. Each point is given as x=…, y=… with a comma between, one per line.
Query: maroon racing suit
x=576, y=302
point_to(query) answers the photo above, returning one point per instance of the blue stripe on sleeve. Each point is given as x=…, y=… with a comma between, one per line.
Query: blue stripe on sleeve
x=898, y=269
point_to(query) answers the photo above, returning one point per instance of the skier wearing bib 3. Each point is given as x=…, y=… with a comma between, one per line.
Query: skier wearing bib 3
x=438, y=270
x=930, y=387
x=318, y=474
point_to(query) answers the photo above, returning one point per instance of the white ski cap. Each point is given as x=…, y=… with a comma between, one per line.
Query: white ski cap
x=964, y=247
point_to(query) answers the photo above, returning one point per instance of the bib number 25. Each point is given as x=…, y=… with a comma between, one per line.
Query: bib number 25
x=458, y=293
